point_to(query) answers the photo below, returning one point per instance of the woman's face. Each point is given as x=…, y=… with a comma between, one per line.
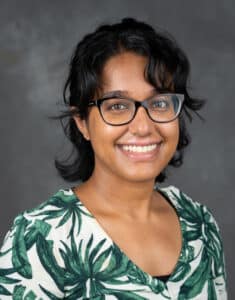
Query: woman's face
x=137, y=151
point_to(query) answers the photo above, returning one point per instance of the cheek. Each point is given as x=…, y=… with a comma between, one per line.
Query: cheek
x=102, y=134
x=170, y=133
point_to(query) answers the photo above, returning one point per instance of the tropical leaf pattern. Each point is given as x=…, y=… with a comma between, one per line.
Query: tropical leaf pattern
x=59, y=251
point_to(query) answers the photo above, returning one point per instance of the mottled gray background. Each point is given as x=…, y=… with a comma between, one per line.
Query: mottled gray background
x=36, y=41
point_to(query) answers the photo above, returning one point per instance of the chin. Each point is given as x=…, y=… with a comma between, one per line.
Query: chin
x=141, y=176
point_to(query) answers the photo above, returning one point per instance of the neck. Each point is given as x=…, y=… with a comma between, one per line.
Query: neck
x=118, y=196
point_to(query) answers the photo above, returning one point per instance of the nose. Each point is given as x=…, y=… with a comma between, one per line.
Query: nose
x=141, y=125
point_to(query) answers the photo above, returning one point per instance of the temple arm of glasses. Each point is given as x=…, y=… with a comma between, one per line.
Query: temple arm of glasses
x=91, y=103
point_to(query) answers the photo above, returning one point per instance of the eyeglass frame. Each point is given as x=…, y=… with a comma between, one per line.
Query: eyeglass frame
x=138, y=104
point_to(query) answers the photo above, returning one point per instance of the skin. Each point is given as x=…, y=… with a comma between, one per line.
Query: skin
x=120, y=191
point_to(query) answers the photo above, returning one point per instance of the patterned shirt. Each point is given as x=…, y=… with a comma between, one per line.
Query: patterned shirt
x=59, y=251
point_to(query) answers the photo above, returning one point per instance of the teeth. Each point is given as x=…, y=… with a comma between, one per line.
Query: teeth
x=139, y=149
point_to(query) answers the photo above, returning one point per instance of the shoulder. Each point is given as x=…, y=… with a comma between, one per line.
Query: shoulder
x=49, y=220
x=201, y=233
x=30, y=258
x=51, y=209
x=198, y=224
x=33, y=254
x=197, y=220
x=188, y=208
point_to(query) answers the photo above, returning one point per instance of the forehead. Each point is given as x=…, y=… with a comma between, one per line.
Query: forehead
x=128, y=71
x=124, y=63
x=125, y=71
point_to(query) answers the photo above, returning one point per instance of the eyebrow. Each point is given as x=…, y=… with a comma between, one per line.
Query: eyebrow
x=123, y=93
x=117, y=93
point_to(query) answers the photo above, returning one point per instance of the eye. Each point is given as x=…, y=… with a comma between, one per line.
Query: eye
x=116, y=105
x=161, y=104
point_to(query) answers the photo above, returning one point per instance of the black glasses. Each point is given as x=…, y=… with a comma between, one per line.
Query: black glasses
x=161, y=108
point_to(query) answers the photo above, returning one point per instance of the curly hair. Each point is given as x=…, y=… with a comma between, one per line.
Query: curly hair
x=167, y=66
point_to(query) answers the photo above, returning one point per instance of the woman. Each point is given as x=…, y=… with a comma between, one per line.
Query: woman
x=118, y=235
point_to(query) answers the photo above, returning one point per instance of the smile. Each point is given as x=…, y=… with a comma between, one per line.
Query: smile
x=139, y=149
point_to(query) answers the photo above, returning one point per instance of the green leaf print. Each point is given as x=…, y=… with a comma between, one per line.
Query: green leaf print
x=49, y=294
x=213, y=244
x=117, y=266
x=192, y=217
x=38, y=227
x=7, y=280
x=196, y=281
x=98, y=263
x=100, y=297
x=137, y=276
x=67, y=208
x=183, y=270
x=18, y=293
x=78, y=268
x=90, y=267
x=128, y=295
x=47, y=259
x=5, y=252
x=4, y=278
x=189, y=210
x=19, y=254
x=200, y=225
x=211, y=290
x=157, y=286
x=4, y=291
x=183, y=267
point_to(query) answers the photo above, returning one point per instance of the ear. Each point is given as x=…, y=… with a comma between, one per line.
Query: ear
x=82, y=126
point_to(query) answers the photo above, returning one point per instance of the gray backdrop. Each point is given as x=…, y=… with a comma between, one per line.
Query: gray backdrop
x=36, y=41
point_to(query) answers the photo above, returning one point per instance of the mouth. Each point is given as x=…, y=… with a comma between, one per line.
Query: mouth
x=140, y=148
x=141, y=153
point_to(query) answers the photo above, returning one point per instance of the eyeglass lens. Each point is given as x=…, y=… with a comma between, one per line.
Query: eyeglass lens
x=161, y=108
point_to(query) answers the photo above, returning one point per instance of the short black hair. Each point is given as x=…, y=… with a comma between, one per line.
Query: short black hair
x=165, y=61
